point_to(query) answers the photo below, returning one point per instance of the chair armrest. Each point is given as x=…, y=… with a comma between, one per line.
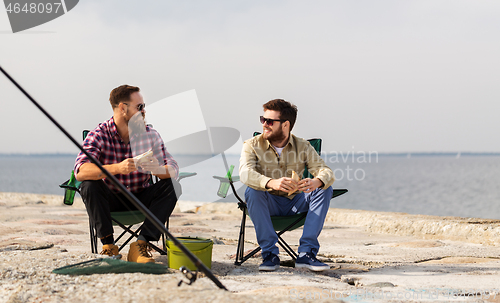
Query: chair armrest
x=225, y=184
x=225, y=179
x=71, y=183
x=183, y=175
x=66, y=185
x=70, y=188
x=338, y=192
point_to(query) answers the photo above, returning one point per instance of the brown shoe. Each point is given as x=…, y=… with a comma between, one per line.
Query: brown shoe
x=110, y=250
x=140, y=252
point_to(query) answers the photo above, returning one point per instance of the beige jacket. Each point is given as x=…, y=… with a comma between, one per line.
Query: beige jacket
x=260, y=163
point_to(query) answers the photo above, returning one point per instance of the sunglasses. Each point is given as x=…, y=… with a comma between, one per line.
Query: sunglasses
x=269, y=122
x=140, y=107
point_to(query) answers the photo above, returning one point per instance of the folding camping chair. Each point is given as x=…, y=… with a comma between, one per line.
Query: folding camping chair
x=281, y=224
x=125, y=219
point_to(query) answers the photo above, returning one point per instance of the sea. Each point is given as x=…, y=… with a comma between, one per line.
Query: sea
x=447, y=184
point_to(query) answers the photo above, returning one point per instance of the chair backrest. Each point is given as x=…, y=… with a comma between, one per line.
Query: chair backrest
x=316, y=143
x=85, y=133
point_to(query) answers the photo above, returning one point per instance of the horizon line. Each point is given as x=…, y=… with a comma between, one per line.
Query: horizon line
x=424, y=153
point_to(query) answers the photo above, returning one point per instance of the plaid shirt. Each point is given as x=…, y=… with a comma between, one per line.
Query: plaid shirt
x=106, y=145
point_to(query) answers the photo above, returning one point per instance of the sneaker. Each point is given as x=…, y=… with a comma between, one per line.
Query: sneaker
x=271, y=263
x=139, y=252
x=110, y=250
x=309, y=261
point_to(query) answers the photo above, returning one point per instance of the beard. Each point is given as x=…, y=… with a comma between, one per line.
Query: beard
x=275, y=135
x=137, y=123
x=137, y=134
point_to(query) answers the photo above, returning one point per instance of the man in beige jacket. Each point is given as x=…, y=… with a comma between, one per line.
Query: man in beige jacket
x=266, y=165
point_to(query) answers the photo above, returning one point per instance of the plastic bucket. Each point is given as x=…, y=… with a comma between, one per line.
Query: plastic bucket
x=200, y=247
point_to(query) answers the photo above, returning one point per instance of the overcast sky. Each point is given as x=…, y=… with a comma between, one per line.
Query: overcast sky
x=386, y=76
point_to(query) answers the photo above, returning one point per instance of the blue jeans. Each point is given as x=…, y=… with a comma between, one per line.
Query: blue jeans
x=262, y=205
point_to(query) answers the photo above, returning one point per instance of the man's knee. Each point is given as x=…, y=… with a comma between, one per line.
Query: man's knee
x=253, y=195
x=177, y=188
x=320, y=196
x=89, y=186
x=168, y=185
x=329, y=192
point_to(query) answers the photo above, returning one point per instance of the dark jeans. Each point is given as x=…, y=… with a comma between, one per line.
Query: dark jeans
x=160, y=198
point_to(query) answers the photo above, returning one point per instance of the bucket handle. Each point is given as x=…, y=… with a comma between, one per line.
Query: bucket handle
x=194, y=251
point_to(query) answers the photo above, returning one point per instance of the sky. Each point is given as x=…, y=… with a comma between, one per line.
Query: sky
x=384, y=76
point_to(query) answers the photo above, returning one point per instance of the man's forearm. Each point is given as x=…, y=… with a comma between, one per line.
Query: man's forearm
x=90, y=171
x=254, y=179
x=166, y=172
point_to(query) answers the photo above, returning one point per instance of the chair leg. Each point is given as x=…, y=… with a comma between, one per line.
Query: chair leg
x=163, y=242
x=240, y=250
x=124, y=232
x=240, y=257
x=283, y=243
x=130, y=237
x=287, y=248
x=251, y=254
x=161, y=251
x=93, y=238
x=164, y=237
x=134, y=234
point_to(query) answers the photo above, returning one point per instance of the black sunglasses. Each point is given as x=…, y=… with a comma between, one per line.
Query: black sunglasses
x=140, y=107
x=270, y=122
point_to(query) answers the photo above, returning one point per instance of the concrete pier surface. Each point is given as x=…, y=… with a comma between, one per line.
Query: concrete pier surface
x=374, y=257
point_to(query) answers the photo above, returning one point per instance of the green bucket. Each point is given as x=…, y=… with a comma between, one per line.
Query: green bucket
x=200, y=247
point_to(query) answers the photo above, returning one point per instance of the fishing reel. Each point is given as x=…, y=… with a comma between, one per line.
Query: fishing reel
x=189, y=275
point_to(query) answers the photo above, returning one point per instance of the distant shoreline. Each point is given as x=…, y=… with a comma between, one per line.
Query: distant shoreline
x=395, y=154
x=440, y=154
x=38, y=155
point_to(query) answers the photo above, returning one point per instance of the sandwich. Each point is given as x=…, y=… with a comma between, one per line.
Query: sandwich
x=143, y=158
x=296, y=178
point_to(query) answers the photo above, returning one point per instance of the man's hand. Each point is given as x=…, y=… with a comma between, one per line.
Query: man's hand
x=126, y=167
x=307, y=185
x=151, y=164
x=90, y=171
x=284, y=184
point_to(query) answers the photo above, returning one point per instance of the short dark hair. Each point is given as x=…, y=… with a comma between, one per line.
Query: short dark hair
x=287, y=110
x=122, y=93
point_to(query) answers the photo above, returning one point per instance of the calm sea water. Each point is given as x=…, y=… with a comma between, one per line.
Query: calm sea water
x=468, y=186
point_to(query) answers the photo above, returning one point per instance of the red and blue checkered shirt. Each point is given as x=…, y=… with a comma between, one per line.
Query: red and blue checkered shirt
x=106, y=145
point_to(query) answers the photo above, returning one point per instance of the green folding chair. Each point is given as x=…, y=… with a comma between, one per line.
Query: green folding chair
x=125, y=219
x=281, y=224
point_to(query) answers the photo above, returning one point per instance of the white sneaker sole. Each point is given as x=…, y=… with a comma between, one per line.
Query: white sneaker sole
x=313, y=268
x=268, y=268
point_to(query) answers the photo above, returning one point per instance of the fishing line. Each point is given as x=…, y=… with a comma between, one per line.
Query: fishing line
x=133, y=199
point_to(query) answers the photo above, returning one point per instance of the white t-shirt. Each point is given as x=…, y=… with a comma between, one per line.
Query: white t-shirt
x=279, y=150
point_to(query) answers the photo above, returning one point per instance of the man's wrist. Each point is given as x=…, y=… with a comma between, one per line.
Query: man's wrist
x=163, y=172
x=321, y=184
x=267, y=184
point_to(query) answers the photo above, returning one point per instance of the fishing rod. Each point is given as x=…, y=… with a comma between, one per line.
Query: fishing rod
x=133, y=199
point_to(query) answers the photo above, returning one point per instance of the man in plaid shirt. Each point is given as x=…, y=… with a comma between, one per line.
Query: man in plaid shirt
x=115, y=143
